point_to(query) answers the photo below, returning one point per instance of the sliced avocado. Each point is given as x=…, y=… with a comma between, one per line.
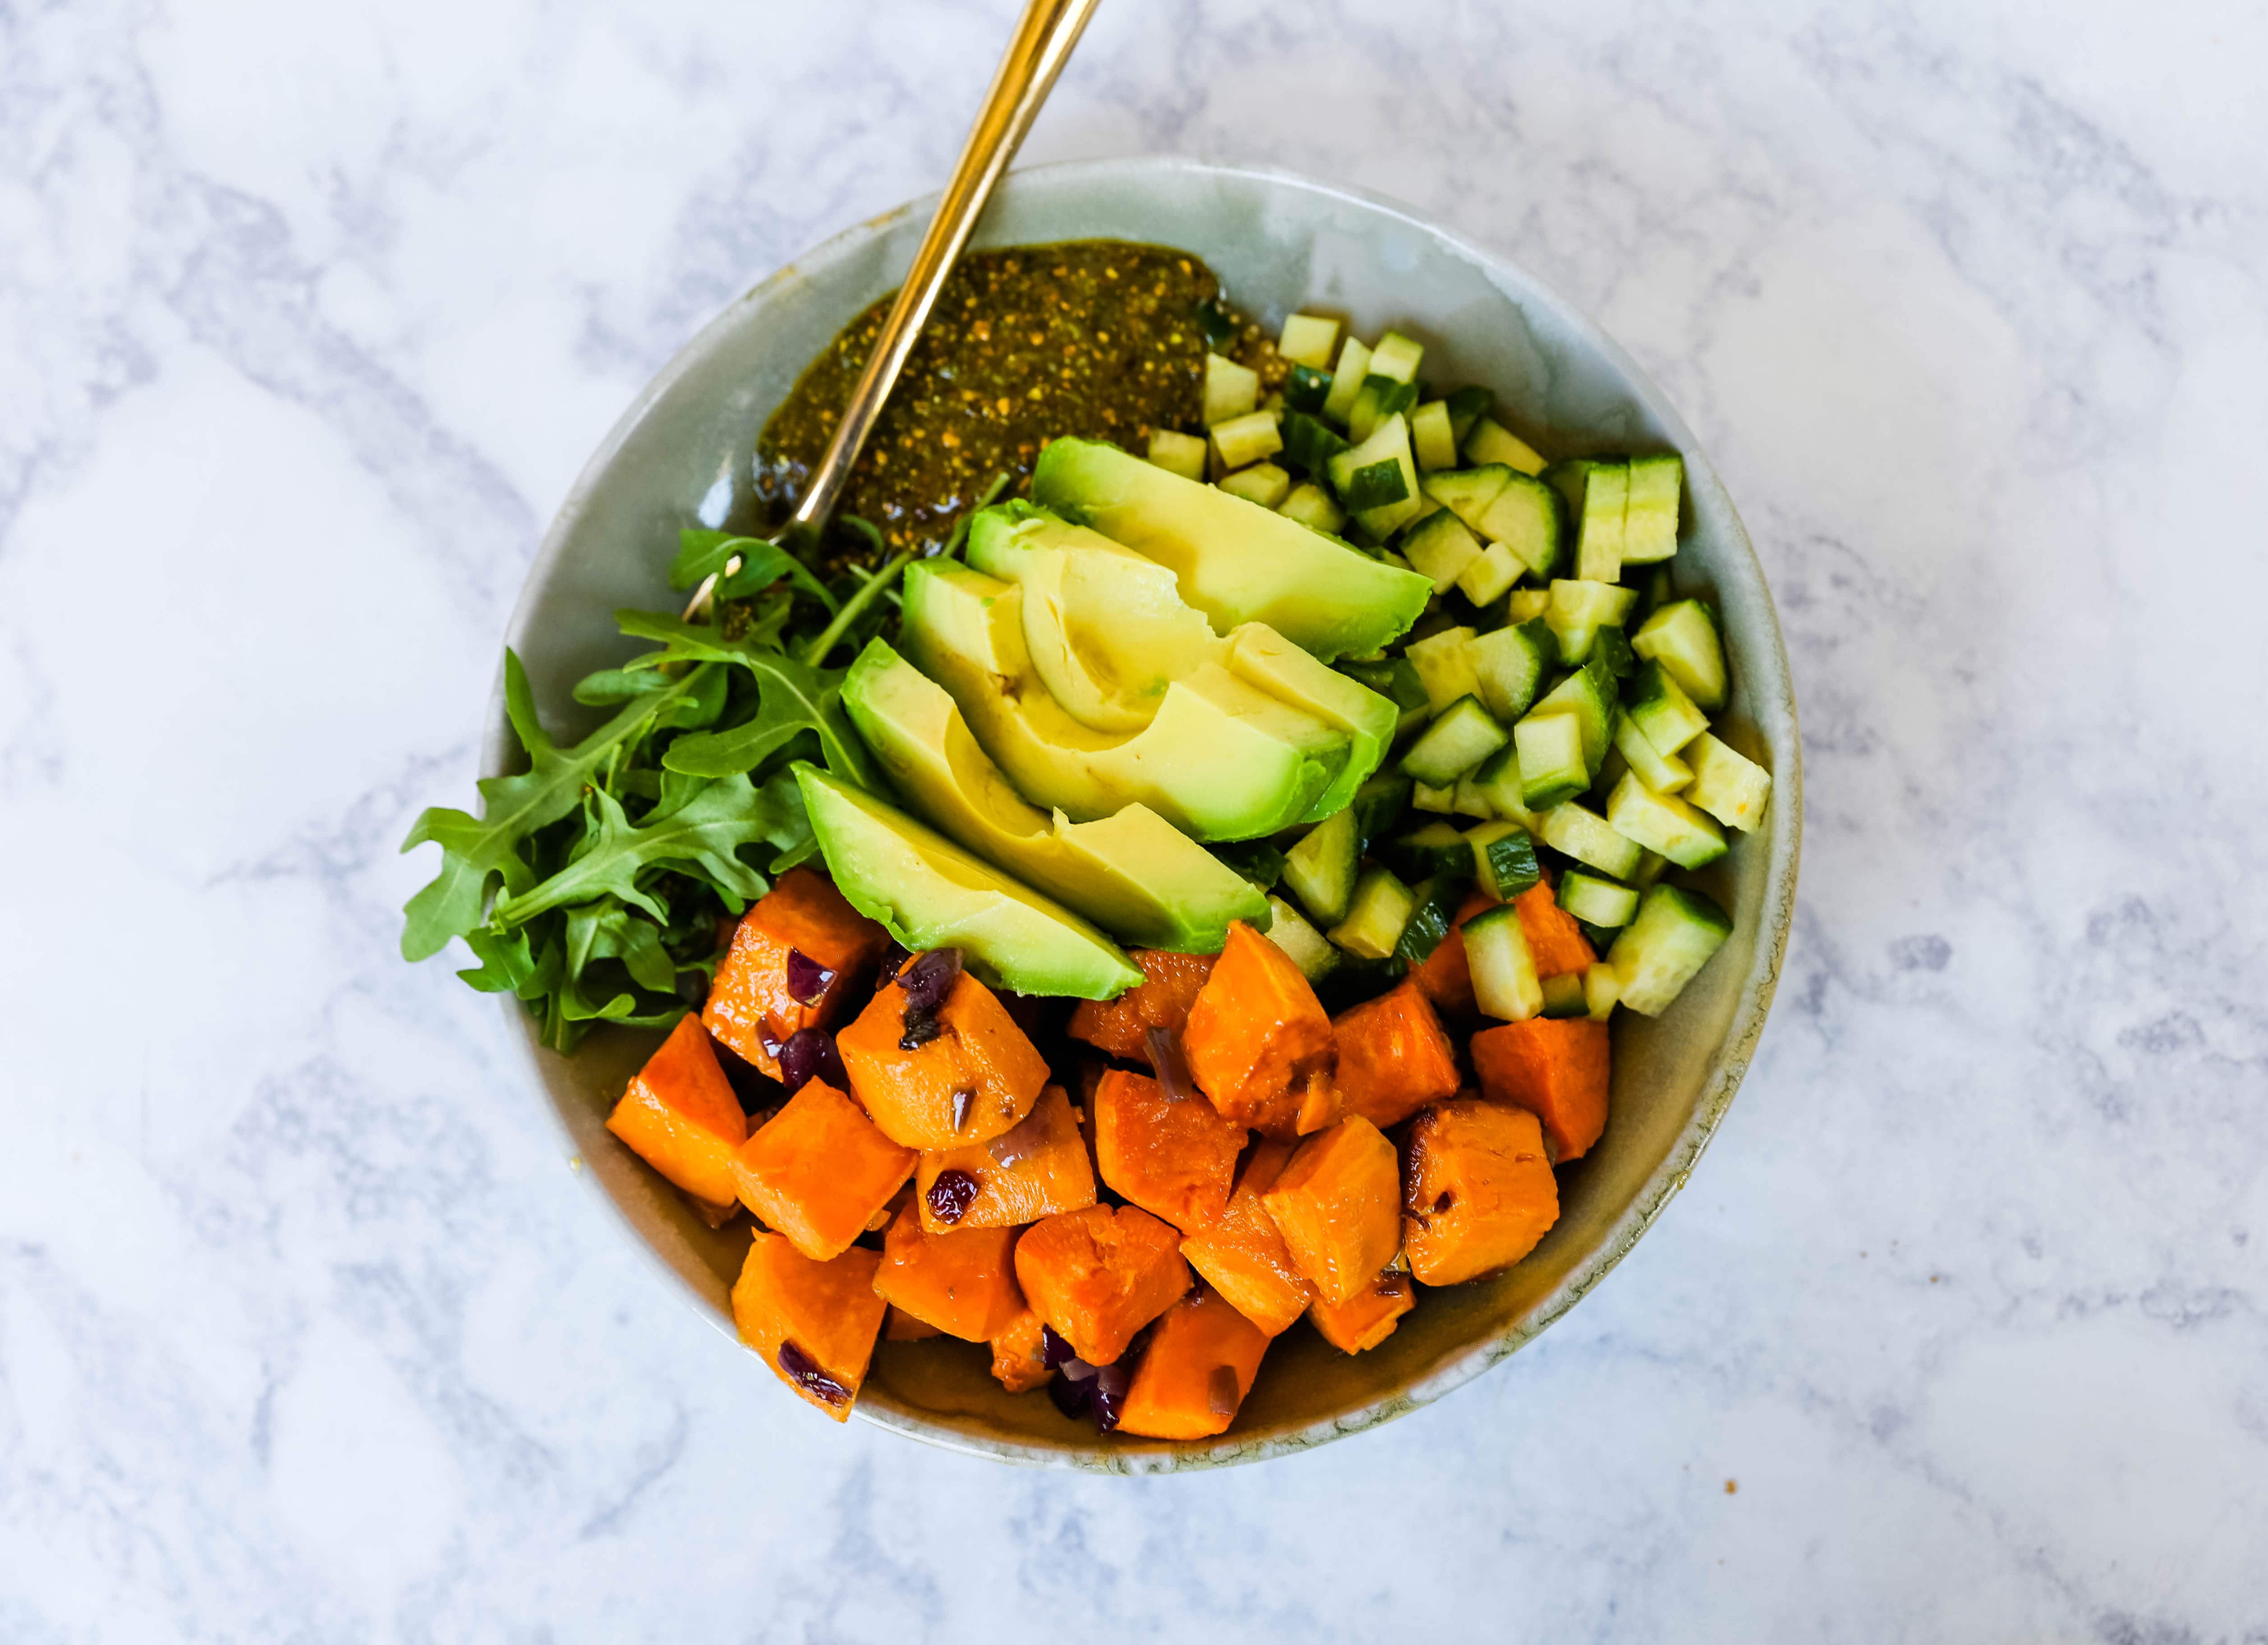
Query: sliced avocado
x=1261, y=657
x=1106, y=628
x=1134, y=873
x=1221, y=759
x=930, y=893
x=1236, y=561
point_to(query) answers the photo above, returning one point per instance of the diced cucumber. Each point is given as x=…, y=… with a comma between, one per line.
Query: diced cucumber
x=1526, y=517
x=1508, y=666
x=1527, y=605
x=1567, y=477
x=1504, y=859
x=1263, y=483
x=1596, y=901
x=1497, y=785
x=1470, y=802
x=1378, y=805
x=1611, y=651
x=1433, y=906
x=1602, y=991
x=1488, y=441
x=1396, y=680
x=1468, y=405
x=1650, y=517
x=1468, y=492
x=1230, y=390
x=1373, y=487
x=1486, y=578
x=1381, y=907
x=1659, y=707
x=1651, y=867
x=1389, y=443
x=1444, y=666
x=1681, y=636
x=1304, y=944
x=1425, y=797
x=1579, y=602
x=1177, y=453
x=1658, y=952
x=1664, y=773
x=1377, y=399
x=1306, y=389
x=1436, y=848
x=1440, y=548
x=1243, y=440
x=1550, y=747
x=1308, y=339
x=1563, y=996
x=1577, y=831
x=1397, y=357
x=1585, y=694
x=1312, y=506
x=1611, y=769
x=1599, y=535
x=1503, y=968
x=1346, y=380
x=1464, y=735
x=1664, y=823
x=1319, y=870
x=1311, y=443
x=1431, y=437
x=1727, y=784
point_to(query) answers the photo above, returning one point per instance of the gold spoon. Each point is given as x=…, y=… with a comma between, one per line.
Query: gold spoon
x=1036, y=53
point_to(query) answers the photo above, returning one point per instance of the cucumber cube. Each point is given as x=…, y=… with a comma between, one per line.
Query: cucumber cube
x=1263, y=483
x=1182, y=454
x=1596, y=901
x=1397, y=357
x=1425, y=797
x=1244, y=440
x=1728, y=785
x=1650, y=516
x=1490, y=574
x=1525, y=517
x=1430, y=916
x=1508, y=667
x=1381, y=907
x=1599, y=544
x=1440, y=548
x=1578, y=832
x=1503, y=966
x=1468, y=405
x=1469, y=801
x=1527, y=605
x=1661, y=709
x=1602, y=991
x=1681, y=636
x=1444, y=666
x=1230, y=390
x=1664, y=823
x=1468, y=492
x=1312, y=506
x=1504, y=859
x=1389, y=443
x=1658, y=952
x=1308, y=339
x=1346, y=380
x=1664, y=773
x=1464, y=735
x=1497, y=785
x=1491, y=442
x=1319, y=870
x=1305, y=946
x=1563, y=996
x=1585, y=694
x=1550, y=747
x=1431, y=437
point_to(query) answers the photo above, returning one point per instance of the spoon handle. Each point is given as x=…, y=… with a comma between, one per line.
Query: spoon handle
x=1036, y=55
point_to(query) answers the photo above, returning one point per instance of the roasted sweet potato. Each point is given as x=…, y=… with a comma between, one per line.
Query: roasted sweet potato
x=1477, y=1189
x=1394, y=1057
x=1556, y=1068
x=898, y=1326
x=1447, y=978
x=1258, y=1042
x=679, y=1115
x=1368, y=1317
x=1555, y=942
x=819, y=1171
x=813, y=1323
x=1122, y=1026
x=975, y=1079
x=1016, y=1359
x=1036, y=1169
x=1199, y=1365
x=754, y=1004
x=1100, y=1275
x=1244, y=1255
x=1337, y=1205
x=1176, y=1159
x=962, y=1281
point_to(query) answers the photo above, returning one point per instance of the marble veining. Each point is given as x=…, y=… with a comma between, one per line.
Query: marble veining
x=309, y=316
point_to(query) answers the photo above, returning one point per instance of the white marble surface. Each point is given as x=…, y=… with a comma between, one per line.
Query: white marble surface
x=308, y=316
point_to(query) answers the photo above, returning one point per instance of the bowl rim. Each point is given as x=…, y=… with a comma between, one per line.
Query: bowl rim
x=1726, y=1067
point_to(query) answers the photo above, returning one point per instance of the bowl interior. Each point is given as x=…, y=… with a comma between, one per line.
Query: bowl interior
x=682, y=456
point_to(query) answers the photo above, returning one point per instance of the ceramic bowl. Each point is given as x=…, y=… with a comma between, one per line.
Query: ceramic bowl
x=681, y=455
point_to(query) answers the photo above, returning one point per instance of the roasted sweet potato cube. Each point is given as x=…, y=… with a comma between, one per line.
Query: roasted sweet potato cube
x=1394, y=1057
x=1337, y=1205
x=898, y=1326
x=962, y=1281
x=975, y=1079
x=1555, y=942
x=1556, y=1068
x=754, y=1005
x=1242, y=1254
x=1195, y=1373
x=1175, y=1158
x=813, y=1323
x=1036, y=1169
x=1016, y=1360
x=1368, y=1317
x=1100, y=1275
x=819, y=1171
x=679, y=1116
x=1258, y=1042
x=1122, y=1026
x=1477, y=1189
x=1446, y=976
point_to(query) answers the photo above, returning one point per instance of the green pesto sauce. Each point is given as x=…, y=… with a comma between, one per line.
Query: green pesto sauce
x=1102, y=339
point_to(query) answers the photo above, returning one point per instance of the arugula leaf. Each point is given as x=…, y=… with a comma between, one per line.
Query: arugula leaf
x=793, y=698
x=476, y=851
x=706, y=831
x=702, y=553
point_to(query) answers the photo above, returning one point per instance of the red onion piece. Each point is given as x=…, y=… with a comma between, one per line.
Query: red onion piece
x=1054, y=1352
x=1070, y=1398
x=810, y=1054
x=1077, y=1370
x=1020, y=1142
x=1222, y=1393
x=961, y=1098
x=929, y=979
x=806, y=978
x=1111, y=1386
x=1169, y=1065
x=800, y=1368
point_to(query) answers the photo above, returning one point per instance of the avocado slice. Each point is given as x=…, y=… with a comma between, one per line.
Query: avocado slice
x=1220, y=760
x=1132, y=873
x=1236, y=561
x=930, y=893
x=1109, y=631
